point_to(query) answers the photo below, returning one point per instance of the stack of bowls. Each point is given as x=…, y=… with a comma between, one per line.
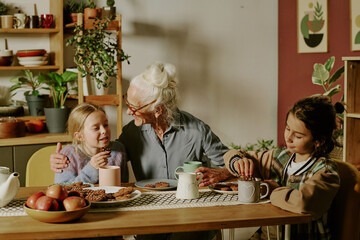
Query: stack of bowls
x=6, y=57
x=32, y=58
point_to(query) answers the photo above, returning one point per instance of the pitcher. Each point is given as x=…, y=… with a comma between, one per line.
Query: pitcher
x=187, y=187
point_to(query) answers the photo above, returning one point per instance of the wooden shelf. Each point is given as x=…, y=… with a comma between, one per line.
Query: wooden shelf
x=353, y=115
x=36, y=138
x=30, y=30
x=351, y=149
x=44, y=67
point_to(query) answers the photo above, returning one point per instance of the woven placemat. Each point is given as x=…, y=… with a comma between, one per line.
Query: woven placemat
x=147, y=201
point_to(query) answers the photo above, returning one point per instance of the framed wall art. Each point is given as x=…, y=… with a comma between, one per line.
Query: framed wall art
x=312, y=24
x=355, y=25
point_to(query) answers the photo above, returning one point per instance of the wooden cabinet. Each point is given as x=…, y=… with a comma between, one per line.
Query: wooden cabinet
x=56, y=35
x=352, y=113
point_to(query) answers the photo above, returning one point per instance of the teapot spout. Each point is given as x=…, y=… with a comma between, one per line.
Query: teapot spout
x=9, y=189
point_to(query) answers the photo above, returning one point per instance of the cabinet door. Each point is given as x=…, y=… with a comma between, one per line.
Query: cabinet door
x=6, y=158
x=22, y=154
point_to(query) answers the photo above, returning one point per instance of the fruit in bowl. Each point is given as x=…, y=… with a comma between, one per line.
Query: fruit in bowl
x=55, y=205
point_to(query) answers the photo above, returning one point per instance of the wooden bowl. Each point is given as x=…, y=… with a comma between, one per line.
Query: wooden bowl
x=11, y=127
x=57, y=216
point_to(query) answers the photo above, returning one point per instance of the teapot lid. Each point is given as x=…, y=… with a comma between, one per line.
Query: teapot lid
x=4, y=170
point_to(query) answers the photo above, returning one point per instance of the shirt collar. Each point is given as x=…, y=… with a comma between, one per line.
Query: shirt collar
x=176, y=124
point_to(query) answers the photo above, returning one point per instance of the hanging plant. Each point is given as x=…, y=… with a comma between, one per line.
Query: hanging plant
x=96, y=52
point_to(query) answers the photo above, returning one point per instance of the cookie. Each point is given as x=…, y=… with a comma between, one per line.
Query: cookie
x=161, y=184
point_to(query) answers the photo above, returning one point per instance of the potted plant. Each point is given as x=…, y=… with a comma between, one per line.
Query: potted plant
x=73, y=8
x=3, y=8
x=56, y=117
x=109, y=11
x=96, y=53
x=91, y=11
x=35, y=101
x=321, y=76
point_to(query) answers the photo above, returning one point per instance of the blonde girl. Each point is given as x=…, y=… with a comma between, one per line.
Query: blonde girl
x=91, y=147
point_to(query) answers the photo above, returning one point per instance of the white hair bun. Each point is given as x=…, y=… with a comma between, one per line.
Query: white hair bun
x=160, y=75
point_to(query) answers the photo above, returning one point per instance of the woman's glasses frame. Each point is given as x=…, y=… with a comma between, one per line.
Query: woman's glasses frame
x=132, y=109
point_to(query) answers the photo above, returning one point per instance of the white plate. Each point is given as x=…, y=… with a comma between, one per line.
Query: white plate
x=211, y=186
x=32, y=58
x=261, y=201
x=33, y=63
x=109, y=189
x=172, y=182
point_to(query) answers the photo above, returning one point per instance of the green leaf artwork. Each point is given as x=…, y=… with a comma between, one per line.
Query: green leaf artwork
x=304, y=28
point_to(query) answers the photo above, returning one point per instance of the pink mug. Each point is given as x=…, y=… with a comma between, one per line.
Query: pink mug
x=47, y=20
x=109, y=176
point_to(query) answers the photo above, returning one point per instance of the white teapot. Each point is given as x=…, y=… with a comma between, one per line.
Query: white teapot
x=9, y=185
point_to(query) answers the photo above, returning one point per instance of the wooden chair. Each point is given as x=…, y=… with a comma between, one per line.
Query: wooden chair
x=344, y=214
x=38, y=171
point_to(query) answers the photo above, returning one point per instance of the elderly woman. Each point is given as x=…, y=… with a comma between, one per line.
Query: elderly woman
x=161, y=137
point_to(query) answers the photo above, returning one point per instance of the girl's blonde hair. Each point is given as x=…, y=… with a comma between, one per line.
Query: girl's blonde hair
x=77, y=119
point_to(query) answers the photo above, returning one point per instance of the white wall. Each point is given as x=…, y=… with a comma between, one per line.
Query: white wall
x=226, y=56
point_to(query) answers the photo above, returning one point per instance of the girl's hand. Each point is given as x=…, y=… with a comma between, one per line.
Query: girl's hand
x=100, y=159
x=244, y=166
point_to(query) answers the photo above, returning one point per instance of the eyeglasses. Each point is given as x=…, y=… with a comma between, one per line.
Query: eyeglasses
x=132, y=109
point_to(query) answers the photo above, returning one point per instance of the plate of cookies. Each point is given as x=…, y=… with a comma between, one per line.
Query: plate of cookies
x=109, y=194
x=225, y=187
x=157, y=184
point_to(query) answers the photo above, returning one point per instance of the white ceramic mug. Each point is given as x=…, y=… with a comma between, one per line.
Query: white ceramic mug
x=189, y=166
x=188, y=186
x=249, y=191
x=109, y=176
x=20, y=20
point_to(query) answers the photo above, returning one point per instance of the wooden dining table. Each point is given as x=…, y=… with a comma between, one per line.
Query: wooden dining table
x=101, y=224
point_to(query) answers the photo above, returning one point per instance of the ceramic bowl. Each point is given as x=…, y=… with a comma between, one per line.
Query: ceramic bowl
x=11, y=127
x=32, y=58
x=6, y=53
x=57, y=216
x=6, y=60
x=31, y=52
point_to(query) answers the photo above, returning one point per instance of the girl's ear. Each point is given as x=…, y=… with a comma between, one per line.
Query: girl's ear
x=319, y=143
x=78, y=136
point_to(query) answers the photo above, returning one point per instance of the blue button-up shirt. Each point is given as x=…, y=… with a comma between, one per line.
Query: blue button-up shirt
x=187, y=139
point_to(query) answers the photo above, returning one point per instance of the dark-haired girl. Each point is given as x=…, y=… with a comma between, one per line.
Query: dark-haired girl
x=302, y=177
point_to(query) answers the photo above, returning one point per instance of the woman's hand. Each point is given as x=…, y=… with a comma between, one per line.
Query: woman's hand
x=244, y=166
x=212, y=175
x=57, y=160
x=100, y=159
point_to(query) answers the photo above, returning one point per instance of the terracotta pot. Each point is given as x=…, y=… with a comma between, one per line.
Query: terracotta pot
x=91, y=13
x=74, y=17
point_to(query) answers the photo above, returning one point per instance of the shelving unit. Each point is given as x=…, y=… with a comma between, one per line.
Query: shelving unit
x=101, y=100
x=56, y=36
x=16, y=151
x=352, y=114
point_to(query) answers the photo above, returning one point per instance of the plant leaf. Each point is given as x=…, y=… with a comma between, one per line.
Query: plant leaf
x=320, y=74
x=333, y=91
x=330, y=64
x=336, y=76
